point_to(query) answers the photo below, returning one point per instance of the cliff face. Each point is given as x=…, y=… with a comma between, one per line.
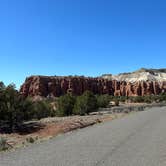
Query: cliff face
x=56, y=86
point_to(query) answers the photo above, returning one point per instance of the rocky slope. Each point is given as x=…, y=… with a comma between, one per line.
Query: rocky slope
x=158, y=75
x=139, y=83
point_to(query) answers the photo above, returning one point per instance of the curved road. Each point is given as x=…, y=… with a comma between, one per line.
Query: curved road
x=138, y=139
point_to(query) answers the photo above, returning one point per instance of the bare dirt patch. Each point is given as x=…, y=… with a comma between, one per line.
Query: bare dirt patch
x=37, y=131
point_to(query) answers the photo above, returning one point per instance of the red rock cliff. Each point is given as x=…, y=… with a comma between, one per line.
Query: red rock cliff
x=56, y=86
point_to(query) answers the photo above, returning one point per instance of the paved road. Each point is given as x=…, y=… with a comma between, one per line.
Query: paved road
x=138, y=139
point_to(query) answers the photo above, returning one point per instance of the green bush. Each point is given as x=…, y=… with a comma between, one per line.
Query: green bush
x=27, y=109
x=148, y=99
x=65, y=105
x=85, y=104
x=122, y=98
x=162, y=97
x=137, y=99
x=3, y=144
x=11, y=108
x=31, y=140
x=103, y=100
x=116, y=102
x=40, y=109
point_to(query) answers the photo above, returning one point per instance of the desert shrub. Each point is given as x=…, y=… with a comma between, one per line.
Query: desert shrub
x=103, y=100
x=79, y=107
x=65, y=105
x=137, y=99
x=31, y=140
x=116, y=102
x=148, y=99
x=122, y=98
x=155, y=98
x=14, y=108
x=11, y=108
x=85, y=104
x=162, y=97
x=27, y=108
x=40, y=109
x=3, y=144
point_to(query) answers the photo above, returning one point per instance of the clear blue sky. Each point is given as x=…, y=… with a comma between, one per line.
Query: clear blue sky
x=82, y=37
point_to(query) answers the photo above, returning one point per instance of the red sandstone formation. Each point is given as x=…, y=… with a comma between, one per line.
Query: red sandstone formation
x=56, y=86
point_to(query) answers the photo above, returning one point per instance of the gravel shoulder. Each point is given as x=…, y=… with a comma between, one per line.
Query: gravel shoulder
x=47, y=128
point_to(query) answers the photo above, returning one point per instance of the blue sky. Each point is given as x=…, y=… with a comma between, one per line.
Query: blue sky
x=80, y=37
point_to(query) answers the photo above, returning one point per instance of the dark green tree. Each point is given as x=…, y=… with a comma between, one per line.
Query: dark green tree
x=40, y=109
x=66, y=105
x=10, y=109
x=85, y=104
x=103, y=100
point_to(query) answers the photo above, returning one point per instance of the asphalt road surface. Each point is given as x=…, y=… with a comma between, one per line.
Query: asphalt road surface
x=138, y=139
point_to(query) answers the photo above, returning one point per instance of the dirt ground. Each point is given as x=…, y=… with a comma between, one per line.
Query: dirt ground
x=38, y=131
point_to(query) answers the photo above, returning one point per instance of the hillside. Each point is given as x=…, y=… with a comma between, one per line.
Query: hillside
x=143, y=74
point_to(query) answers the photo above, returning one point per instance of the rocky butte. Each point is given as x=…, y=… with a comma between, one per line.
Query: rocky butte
x=137, y=83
